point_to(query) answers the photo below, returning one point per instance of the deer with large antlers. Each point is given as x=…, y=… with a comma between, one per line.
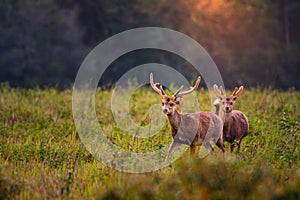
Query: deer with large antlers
x=236, y=125
x=193, y=129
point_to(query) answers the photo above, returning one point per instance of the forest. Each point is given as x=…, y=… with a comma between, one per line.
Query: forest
x=253, y=42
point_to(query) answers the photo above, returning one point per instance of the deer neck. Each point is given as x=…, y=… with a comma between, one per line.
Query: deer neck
x=226, y=116
x=217, y=110
x=174, y=120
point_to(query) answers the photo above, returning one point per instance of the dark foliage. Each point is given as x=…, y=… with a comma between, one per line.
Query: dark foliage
x=253, y=42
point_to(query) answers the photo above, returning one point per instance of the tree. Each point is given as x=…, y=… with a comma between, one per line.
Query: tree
x=40, y=44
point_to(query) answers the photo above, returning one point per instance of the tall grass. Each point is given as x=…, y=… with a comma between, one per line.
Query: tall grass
x=42, y=157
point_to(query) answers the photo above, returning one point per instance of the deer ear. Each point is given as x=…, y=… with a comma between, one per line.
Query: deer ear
x=178, y=100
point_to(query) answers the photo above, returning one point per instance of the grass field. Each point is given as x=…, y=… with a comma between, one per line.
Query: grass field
x=42, y=157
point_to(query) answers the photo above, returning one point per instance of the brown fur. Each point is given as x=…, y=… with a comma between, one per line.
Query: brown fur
x=203, y=119
x=235, y=128
x=192, y=129
x=184, y=131
x=236, y=125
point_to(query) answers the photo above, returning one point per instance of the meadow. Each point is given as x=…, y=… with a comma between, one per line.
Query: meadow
x=42, y=157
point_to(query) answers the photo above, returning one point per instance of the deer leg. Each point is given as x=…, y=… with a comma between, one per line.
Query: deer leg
x=232, y=146
x=220, y=144
x=172, y=147
x=193, y=149
x=239, y=144
x=208, y=146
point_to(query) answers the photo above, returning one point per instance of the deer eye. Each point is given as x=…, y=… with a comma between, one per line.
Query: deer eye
x=171, y=104
x=234, y=98
x=231, y=103
x=162, y=103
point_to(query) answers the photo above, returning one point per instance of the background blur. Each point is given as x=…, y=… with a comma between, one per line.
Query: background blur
x=253, y=42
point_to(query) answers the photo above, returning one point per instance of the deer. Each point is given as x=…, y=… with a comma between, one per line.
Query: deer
x=192, y=128
x=236, y=125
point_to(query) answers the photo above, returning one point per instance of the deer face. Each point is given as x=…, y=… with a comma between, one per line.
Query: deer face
x=227, y=103
x=168, y=105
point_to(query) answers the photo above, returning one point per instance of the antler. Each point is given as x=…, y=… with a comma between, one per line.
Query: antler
x=155, y=87
x=237, y=91
x=178, y=93
x=234, y=91
x=219, y=91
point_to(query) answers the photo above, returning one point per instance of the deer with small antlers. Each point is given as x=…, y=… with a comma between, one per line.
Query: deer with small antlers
x=236, y=125
x=189, y=129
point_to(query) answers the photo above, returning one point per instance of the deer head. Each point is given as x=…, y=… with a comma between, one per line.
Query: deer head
x=227, y=103
x=169, y=103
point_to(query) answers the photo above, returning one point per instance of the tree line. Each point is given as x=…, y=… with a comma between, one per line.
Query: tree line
x=255, y=43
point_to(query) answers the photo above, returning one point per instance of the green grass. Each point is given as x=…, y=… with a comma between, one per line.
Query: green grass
x=42, y=157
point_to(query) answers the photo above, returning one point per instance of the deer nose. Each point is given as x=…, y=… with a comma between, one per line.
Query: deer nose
x=227, y=108
x=165, y=111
